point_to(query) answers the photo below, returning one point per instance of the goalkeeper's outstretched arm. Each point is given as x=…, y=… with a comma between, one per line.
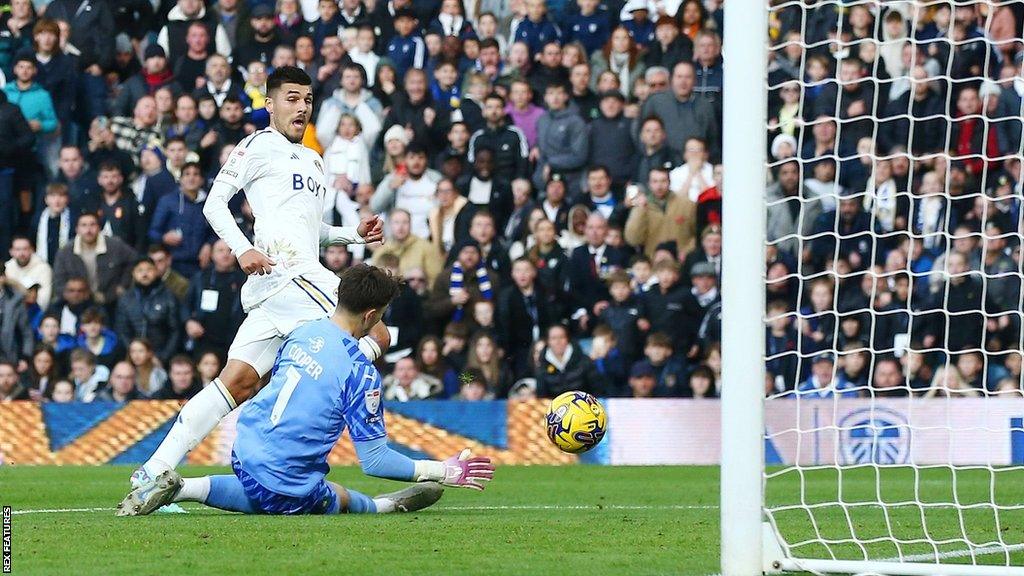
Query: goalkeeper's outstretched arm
x=462, y=470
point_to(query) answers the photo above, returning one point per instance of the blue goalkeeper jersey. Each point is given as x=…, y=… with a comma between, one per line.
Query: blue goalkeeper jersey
x=321, y=382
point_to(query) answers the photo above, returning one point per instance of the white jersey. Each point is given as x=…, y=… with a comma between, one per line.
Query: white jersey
x=285, y=185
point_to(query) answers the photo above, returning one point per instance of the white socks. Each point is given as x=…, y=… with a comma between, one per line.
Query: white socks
x=198, y=417
x=194, y=490
x=384, y=505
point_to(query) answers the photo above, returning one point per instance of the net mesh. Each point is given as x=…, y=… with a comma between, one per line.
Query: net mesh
x=894, y=404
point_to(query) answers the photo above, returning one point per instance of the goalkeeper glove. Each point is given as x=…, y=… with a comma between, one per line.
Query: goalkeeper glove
x=461, y=471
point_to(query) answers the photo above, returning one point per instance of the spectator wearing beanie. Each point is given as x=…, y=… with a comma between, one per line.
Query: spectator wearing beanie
x=155, y=74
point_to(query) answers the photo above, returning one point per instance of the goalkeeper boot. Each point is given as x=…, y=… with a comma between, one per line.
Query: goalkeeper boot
x=149, y=496
x=415, y=497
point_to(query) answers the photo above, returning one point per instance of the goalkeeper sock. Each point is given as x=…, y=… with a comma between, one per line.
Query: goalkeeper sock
x=359, y=503
x=193, y=490
x=198, y=417
x=226, y=493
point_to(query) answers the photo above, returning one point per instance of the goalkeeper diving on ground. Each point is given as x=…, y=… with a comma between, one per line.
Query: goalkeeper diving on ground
x=321, y=383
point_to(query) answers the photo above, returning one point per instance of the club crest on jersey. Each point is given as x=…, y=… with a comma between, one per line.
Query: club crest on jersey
x=372, y=400
x=316, y=344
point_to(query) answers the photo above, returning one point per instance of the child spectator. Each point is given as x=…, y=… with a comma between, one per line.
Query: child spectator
x=406, y=49
x=622, y=316
x=87, y=376
x=100, y=340
x=669, y=369
x=609, y=360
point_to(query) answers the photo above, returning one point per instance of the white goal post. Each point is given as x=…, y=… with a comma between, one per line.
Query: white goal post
x=911, y=463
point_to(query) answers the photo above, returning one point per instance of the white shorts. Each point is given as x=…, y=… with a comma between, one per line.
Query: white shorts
x=306, y=298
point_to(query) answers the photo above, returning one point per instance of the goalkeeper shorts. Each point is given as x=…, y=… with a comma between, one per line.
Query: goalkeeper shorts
x=321, y=500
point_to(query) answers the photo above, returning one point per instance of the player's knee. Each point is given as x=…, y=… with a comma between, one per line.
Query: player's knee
x=240, y=380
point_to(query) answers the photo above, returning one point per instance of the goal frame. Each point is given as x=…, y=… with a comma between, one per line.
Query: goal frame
x=749, y=544
x=744, y=140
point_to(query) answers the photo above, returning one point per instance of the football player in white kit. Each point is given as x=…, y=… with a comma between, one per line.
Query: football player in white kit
x=284, y=183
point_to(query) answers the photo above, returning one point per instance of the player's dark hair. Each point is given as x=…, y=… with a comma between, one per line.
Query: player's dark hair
x=287, y=75
x=366, y=287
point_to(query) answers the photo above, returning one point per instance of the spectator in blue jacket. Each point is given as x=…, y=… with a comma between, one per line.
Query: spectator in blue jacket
x=179, y=223
x=536, y=29
x=591, y=27
x=37, y=107
x=406, y=49
x=96, y=337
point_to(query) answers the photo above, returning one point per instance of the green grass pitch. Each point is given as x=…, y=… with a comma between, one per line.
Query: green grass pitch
x=531, y=520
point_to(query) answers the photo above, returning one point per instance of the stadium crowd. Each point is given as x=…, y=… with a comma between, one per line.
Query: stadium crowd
x=550, y=177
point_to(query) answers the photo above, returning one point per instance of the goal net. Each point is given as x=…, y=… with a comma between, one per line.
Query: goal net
x=892, y=412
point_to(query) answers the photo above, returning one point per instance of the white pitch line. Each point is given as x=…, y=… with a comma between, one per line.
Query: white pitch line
x=957, y=554
x=61, y=510
x=481, y=508
x=586, y=507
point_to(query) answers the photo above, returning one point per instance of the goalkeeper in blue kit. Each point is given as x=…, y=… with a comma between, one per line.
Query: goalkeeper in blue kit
x=321, y=383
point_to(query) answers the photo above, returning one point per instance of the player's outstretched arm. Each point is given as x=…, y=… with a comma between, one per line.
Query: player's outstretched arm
x=217, y=213
x=369, y=230
x=462, y=470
